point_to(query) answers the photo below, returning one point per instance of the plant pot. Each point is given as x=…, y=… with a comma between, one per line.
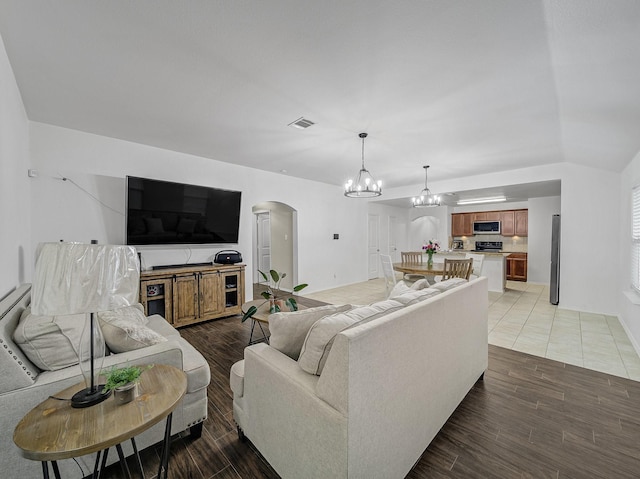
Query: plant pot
x=127, y=393
x=276, y=305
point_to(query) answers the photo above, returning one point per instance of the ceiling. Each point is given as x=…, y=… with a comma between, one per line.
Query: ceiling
x=466, y=86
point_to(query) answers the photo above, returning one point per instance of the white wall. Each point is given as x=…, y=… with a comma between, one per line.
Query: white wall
x=15, y=248
x=99, y=165
x=539, y=240
x=628, y=301
x=590, y=222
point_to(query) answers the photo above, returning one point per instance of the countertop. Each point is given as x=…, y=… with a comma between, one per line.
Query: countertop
x=488, y=253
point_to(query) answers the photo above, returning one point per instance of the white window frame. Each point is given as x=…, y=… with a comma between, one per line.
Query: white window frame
x=635, y=239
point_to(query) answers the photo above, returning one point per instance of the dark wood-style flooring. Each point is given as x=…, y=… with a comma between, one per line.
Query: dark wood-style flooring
x=531, y=417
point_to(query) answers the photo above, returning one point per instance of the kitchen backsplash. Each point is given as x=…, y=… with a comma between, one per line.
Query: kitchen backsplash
x=515, y=244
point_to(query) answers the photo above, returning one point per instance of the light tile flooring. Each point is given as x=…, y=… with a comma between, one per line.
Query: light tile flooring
x=522, y=319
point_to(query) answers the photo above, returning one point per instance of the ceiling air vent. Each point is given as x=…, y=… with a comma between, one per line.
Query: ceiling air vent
x=301, y=123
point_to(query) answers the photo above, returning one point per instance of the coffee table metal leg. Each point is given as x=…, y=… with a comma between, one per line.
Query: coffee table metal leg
x=137, y=454
x=45, y=469
x=98, y=472
x=123, y=462
x=264, y=336
x=164, y=459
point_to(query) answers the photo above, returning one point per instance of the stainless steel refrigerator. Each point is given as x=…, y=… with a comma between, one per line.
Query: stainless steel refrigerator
x=554, y=285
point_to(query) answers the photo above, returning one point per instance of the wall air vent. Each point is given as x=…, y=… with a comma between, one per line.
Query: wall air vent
x=301, y=123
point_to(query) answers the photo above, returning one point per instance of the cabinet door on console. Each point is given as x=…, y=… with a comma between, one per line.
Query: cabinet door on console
x=210, y=301
x=185, y=298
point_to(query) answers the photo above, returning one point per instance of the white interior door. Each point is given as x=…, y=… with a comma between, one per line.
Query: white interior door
x=374, y=245
x=393, y=238
x=263, y=244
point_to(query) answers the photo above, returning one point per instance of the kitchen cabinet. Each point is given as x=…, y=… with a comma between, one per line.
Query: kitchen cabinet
x=512, y=222
x=193, y=294
x=507, y=223
x=522, y=222
x=517, y=267
x=486, y=216
x=462, y=224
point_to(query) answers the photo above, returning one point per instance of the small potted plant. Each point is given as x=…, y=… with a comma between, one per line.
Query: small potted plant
x=124, y=382
x=272, y=292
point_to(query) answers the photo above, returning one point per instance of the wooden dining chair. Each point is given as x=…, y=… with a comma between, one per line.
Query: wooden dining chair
x=478, y=259
x=412, y=257
x=457, y=268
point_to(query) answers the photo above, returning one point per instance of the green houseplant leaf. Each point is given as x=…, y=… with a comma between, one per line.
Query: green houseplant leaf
x=250, y=312
x=117, y=377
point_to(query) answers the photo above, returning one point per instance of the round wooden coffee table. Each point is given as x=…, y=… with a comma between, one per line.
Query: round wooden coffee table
x=54, y=430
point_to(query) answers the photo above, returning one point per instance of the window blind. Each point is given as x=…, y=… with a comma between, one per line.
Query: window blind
x=635, y=239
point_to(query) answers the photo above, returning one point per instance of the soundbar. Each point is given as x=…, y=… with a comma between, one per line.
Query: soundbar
x=187, y=265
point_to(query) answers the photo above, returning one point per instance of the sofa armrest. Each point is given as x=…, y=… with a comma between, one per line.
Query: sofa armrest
x=168, y=352
x=280, y=396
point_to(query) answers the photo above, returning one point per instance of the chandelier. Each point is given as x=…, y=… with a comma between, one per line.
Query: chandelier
x=426, y=198
x=364, y=186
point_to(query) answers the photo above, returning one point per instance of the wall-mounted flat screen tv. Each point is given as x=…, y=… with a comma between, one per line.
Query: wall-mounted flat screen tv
x=167, y=213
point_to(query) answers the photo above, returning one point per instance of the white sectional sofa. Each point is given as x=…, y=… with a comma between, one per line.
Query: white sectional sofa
x=387, y=386
x=23, y=386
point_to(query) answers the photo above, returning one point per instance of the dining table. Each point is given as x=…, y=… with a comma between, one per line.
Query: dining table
x=435, y=269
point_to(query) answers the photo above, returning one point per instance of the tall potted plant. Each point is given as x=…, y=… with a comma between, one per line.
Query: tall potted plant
x=272, y=292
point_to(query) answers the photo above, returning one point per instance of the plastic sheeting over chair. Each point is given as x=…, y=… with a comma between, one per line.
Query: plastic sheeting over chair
x=389, y=273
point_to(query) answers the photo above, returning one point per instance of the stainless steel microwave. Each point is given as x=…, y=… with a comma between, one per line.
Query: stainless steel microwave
x=486, y=227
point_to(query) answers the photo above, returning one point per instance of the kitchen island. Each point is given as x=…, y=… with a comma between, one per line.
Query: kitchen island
x=493, y=266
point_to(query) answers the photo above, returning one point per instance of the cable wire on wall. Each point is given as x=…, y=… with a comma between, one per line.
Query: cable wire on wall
x=64, y=178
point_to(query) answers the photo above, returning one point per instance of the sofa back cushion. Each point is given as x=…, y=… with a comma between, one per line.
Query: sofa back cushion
x=448, y=284
x=288, y=330
x=50, y=342
x=413, y=297
x=17, y=370
x=321, y=335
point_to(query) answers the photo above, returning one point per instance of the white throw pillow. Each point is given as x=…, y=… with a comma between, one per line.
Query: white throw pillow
x=124, y=330
x=288, y=329
x=50, y=342
x=413, y=297
x=319, y=340
x=420, y=284
x=448, y=284
x=400, y=288
x=134, y=313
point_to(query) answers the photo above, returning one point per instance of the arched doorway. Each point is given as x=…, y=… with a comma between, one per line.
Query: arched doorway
x=275, y=241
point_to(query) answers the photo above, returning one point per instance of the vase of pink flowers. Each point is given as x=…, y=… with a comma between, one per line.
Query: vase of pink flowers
x=430, y=249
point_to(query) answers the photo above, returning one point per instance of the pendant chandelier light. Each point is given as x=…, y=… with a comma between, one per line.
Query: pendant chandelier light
x=364, y=186
x=426, y=198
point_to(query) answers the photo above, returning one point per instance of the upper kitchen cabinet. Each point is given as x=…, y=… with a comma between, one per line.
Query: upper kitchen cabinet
x=462, y=224
x=507, y=223
x=486, y=216
x=514, y=223
x=522, y=222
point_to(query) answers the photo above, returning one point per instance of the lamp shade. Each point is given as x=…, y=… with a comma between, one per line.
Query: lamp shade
x=72, y=278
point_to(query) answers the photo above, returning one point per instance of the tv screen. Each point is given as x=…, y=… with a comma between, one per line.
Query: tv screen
x=167, y=213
